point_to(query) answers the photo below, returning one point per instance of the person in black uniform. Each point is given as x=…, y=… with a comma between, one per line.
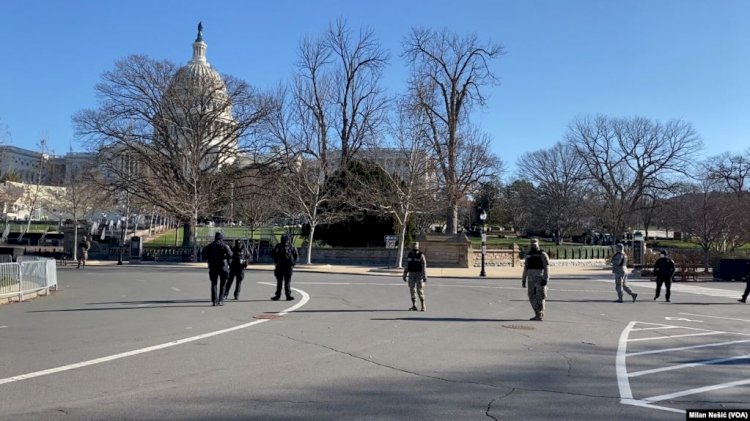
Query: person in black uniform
x=664, y=270
x=747, y=283
x=415, y=273
x=284, y=256
x=237, y=267
x=217, y=254
x=536, y=275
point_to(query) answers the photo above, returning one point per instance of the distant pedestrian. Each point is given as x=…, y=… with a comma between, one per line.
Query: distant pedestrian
x=747, y=283
x=415, y=273
x=619, y=268
x=284, y=256
x=83, y=252
x=536, y=275
x=217, y=254
x=237, y=267
x=664, y=270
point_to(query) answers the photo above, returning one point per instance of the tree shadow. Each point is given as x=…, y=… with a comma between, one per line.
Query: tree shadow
x=451, y=319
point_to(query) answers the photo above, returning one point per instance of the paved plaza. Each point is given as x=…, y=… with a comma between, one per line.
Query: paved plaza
x=143, y=342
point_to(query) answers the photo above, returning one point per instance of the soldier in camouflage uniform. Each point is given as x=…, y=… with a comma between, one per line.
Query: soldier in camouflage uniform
x=536, y=275
x=619, y=268
x=415, y=273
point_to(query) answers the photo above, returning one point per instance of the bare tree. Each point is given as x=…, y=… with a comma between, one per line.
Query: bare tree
x=33, y=198
x=624, y=158
x=558, y=174
x=360, y=104
x=732, y=170
x=701, y=212
x=731, y=173
x=81, y=197
x=170, y=138
x=256, y=201
x=298, y=123
x=448, y=75
x=405, y=184
x=519, y=199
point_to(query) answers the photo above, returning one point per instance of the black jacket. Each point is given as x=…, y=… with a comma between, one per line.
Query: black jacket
x=284, y=256
x=217, y=254
x=664, y=268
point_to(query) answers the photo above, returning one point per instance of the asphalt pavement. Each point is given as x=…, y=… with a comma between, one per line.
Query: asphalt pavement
x=142, y=342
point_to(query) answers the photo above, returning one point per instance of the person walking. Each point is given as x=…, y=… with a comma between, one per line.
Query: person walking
x=747, y=283
x=284, y=256
x=218, y=255
x=237, y=267
x=83, y=252
x=664, y=270
x=619, y=268
x=535, y=277
x=415, y=273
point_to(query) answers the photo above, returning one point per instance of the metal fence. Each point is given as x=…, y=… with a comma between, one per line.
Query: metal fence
x=27, y=276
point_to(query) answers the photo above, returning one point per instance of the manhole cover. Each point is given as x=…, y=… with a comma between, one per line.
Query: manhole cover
x=266, y=316
x=519, y=327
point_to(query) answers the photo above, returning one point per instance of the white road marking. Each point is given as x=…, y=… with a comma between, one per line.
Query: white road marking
x=696, y=390
x=303, y=301
x=3, y=327
x=681, y=366
x=715, y=317
x=622, y=372
x=623, y=382
x=654, y=338
x=175, y=289
x=683, y=327
x=658, y=351
x=659, y=328
x=682, y=319
x=368, y=284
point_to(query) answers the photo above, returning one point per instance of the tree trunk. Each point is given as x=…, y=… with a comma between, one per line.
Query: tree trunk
x=194, y=237
x=187, y=234
x=402, y=238
x=310, y=243
x=451, y=226
x=75, y=237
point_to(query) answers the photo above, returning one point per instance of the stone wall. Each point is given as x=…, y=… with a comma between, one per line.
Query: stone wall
x=446, y=250
x=497, y=257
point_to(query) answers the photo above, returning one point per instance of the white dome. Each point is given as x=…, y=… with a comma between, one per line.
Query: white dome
x=198, y=78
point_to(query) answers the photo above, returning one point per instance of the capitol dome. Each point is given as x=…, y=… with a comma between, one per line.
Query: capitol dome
x=196, y=112
x=197, y=78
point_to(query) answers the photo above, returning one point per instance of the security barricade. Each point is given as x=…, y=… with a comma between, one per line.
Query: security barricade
x=26, y=277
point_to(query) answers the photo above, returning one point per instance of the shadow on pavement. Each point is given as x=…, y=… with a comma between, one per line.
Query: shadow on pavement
x=452, y=319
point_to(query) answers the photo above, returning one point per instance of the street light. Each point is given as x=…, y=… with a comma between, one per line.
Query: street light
x=122, y=239
x=483, y=217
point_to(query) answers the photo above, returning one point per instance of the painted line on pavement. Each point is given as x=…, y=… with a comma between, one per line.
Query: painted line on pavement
x=715, y=317
x=303, y=301
x=659, y=328
x=681, y=366
x=696, y=391
x=655, y=338
x=658, y=351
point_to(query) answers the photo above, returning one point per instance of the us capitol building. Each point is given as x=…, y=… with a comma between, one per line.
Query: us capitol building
x=25, y=164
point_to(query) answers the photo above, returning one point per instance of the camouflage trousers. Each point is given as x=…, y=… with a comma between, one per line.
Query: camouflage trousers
x=536, y=291
x=621, y=283
x=416, y=286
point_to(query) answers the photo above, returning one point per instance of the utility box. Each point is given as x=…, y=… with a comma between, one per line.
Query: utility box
x=136, y=248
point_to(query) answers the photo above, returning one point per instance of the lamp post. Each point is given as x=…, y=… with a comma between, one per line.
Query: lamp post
x=483, y=217
x=122, y=239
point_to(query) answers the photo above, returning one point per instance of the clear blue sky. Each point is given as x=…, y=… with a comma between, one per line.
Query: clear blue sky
x=660, y=59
